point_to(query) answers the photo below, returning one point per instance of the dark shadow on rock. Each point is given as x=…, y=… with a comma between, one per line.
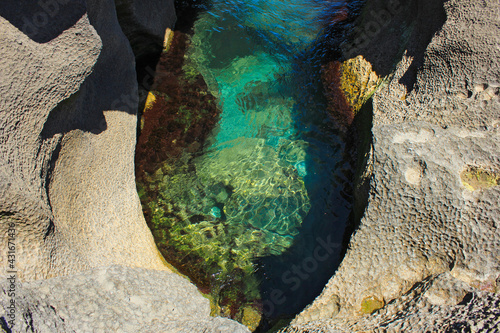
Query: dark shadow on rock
x=146, y=40
x=42, y=21
x=386, y=30
x=110, y=86
x=358, y=140
x=148, y=58
x=146, y=68
x=5, y=327
x=430, y=20
x=144, y=23
x=187, y=13
x=337, y=28
x=65, y=117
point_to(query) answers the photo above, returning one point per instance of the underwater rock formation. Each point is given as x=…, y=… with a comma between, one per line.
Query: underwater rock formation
x=215, y=211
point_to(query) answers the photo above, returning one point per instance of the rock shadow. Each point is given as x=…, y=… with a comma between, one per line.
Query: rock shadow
x=388, y=29
x=66, y=117
x=42, y=21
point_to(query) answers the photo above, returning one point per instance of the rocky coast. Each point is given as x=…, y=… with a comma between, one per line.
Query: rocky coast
x=416, y=84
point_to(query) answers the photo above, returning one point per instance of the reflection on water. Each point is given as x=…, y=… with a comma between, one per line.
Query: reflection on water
x=263, y=204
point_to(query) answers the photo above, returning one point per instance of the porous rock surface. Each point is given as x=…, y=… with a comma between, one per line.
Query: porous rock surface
x=68, y=136
x=412, y=312
x=68, y=122
x=115, y=299
x=426, y=253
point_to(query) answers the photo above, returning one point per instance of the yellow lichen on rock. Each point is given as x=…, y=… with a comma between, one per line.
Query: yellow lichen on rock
x=358, y=81
x=153, y=97
x=348, y=85
x=476, y=178
x=167, y=41
x=150, y=100
x=371, y=304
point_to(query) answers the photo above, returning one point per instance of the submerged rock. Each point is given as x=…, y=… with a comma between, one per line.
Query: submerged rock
x=263, y=201
x=267, y=191
x=215, y=212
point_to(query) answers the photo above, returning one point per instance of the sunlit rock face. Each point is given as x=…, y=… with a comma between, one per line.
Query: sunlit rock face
x=425, y=253
x=69, y=117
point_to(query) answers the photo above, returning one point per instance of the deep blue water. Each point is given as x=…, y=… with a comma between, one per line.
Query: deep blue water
x=275, y=145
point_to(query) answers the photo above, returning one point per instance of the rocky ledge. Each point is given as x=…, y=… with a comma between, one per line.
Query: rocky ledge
x=115, y=299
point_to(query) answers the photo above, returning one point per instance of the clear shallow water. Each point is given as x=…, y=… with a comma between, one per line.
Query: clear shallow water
x=264, y=204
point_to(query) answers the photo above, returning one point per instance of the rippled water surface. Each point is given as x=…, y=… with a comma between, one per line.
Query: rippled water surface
x=264, y=203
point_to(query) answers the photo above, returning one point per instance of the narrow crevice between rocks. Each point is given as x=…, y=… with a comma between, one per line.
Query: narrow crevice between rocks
x=5, y=327
x=358, y=151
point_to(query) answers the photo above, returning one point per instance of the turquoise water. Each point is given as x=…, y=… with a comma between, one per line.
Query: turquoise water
x=246, y=51
x=260, y=59
x=256, y=207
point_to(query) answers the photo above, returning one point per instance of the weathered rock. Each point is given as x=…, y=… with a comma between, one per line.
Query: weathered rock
x=435, y=124
x=113, y=299
x=29, y=92
x=418, y=311
x=68, y=132
x=69, y=126
x=348, y=85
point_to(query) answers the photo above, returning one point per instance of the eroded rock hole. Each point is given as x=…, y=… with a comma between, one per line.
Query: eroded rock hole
x=242, y=173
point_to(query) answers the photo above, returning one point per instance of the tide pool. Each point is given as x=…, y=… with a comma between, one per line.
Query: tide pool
x=268, y=183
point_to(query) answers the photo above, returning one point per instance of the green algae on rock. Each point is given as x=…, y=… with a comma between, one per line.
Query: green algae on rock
x=178, y=114
x=261, y=200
